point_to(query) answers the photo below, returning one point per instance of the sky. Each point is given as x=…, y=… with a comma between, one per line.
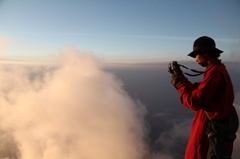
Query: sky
x=115, y=31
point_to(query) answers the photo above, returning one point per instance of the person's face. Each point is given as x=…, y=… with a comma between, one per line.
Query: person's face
x=201, y=59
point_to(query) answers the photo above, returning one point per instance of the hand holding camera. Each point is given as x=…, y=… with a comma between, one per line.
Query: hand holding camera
x=175, y=70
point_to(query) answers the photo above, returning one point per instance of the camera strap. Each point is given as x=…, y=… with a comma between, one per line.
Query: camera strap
x=199, y=72
x=196, y=71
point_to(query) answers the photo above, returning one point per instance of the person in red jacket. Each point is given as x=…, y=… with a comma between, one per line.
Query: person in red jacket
x=213, y=94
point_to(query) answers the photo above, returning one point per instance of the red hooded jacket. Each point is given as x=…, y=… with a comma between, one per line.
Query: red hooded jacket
x=215, y=95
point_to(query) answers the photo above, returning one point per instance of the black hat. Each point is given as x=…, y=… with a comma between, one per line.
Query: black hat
x=204, y=43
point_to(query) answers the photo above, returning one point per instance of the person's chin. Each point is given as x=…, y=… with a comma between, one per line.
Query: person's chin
x=202, y=64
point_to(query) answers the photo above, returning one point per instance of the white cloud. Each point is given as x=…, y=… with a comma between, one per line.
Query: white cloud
x=175, y=139
x=75, y=110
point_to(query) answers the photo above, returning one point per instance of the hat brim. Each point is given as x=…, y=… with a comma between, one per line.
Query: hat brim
x=194, y=53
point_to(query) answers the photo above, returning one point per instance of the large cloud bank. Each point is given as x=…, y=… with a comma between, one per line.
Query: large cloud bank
x=74, y=110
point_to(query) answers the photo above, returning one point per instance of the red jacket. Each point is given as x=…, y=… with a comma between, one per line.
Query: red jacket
x=215, y=95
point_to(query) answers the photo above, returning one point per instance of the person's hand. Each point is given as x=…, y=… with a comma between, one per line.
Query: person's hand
x=174, y=68
x=177, y=80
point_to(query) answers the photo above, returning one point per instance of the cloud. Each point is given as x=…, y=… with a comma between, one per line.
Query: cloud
x=172, y=142
x=72, y=110
x=8, y=146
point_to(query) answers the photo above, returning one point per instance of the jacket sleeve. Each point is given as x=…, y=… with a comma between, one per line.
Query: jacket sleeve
x=198, y=98
x=188, y=83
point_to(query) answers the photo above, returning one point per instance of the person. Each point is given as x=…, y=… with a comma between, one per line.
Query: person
x=214, y=94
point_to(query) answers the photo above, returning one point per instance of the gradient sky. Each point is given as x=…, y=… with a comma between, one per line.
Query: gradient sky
x=118, y=30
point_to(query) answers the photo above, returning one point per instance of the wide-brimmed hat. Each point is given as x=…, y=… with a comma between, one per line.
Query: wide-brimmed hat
x=204, y=43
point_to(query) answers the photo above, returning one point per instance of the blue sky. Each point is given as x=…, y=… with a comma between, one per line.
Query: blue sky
x=118, y=30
